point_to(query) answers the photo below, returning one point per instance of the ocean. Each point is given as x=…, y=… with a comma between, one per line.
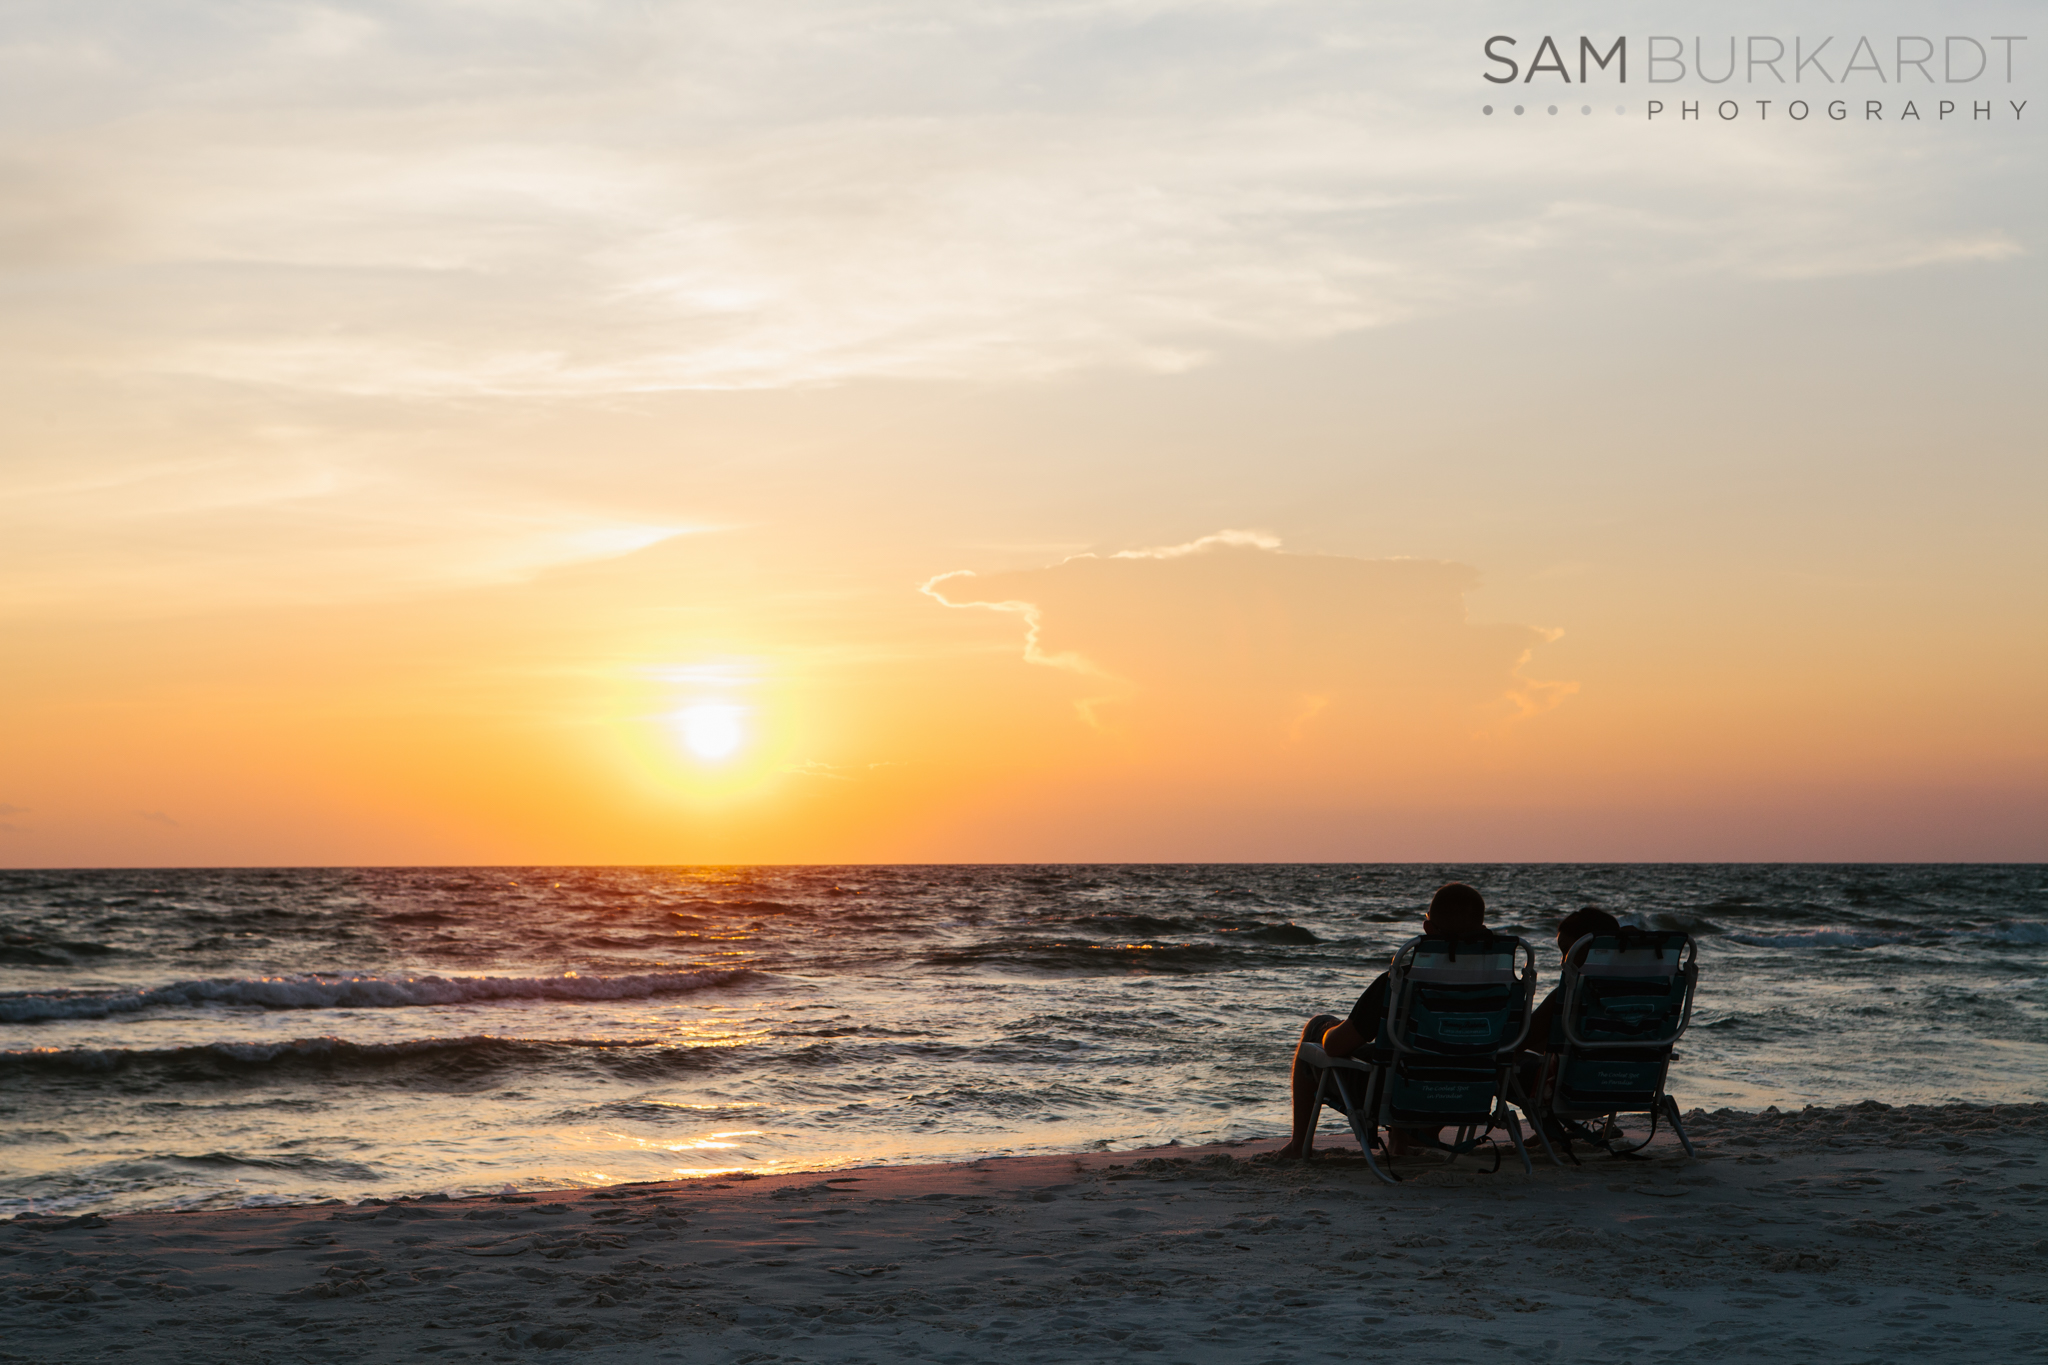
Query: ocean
x=193, y=1038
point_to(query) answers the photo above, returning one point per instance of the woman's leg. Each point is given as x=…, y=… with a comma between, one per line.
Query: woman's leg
x=1302, y=1088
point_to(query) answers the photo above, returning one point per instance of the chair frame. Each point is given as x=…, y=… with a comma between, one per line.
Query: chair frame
x=1372, y=1074
x=1542, y=1105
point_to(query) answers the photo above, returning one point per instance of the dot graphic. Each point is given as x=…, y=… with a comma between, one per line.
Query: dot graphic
x=1487, y=110
x=1553, y=108
x=1518, y=108
x=1620, y=109
x=1585, y=108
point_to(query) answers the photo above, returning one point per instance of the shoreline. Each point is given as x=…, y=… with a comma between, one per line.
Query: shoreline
x=1332, y=1136
x=1851, y=1233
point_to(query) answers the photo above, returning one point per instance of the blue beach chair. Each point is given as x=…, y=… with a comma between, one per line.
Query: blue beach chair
x=1627, y=1002
x=1457, y=1009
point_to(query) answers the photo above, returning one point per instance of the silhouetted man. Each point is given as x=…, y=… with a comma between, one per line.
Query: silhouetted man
x=1454, y=911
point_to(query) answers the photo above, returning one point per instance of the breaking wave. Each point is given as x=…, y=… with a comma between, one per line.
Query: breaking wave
x=1058, y=955
x=1828, y=938
x=2024, y=932
x=319, y=992
x=1697, y=925
x=474, y=1053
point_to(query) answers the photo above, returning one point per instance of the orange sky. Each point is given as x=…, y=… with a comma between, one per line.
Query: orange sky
x=1010, y=458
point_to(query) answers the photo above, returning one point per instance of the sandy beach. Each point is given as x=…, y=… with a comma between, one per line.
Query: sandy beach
x=1860, y=1233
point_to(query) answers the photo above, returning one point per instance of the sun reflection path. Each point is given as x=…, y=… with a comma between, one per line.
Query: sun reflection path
x=711, y=1142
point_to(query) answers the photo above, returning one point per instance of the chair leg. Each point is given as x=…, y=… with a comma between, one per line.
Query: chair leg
x=1671, y=1112
x=1386, y=1174
x=1364, y=1136
x=1364, y=1128
x=1351, y=1112
x=1514, y=1127
x=1530, y=1112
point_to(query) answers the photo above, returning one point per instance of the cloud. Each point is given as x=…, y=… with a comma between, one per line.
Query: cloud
x=1230, y=644
x=289, y=516
x=157, y=817
x=445, y=200
x=271, y=257
x=6, y=809
x=1258, y=540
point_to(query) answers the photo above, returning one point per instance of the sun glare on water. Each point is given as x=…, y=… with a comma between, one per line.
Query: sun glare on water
x=711, y=731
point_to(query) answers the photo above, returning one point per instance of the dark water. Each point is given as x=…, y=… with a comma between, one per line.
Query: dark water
x=186, y=1038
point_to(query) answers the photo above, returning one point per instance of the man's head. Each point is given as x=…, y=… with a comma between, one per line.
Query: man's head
x=1580, y=923
x=1454, y=911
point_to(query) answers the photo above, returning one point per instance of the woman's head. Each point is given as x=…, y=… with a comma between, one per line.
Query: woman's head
x=1580, y=923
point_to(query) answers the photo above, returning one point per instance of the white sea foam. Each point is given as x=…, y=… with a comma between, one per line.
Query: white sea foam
x=2012, y=931
x=352, y=992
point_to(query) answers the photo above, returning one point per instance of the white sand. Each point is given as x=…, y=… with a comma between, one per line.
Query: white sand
x=1856, y=1234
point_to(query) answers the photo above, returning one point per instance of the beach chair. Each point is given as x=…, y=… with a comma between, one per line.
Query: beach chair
x=1457, y=1009
x=1627, y=1002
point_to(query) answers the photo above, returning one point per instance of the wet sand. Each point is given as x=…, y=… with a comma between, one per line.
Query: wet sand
x=1851, y=1234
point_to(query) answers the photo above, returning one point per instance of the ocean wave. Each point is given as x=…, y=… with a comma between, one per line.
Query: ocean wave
x=332, y=1168
x=24, y=950
x=2011, y=931
x=1146, y=926
x=1697, y=925
x=1126, y=924
x=476, y=1052
x=1049, y=954
x=1829, y=938
x=321, y=991
x=746, y=907
x=1277, y=933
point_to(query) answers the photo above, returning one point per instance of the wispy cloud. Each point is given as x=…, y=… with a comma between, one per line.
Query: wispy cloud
x=616, y=198
x=275, y=259
x=242, y=534
x=1257, y=540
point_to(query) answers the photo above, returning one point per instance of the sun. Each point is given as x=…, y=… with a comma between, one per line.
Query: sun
x=711, y=731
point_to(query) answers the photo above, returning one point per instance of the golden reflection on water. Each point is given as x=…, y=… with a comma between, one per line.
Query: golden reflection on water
x=709, y=1142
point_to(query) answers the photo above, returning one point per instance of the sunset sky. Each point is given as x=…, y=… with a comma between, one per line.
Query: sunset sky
x=585, y=432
